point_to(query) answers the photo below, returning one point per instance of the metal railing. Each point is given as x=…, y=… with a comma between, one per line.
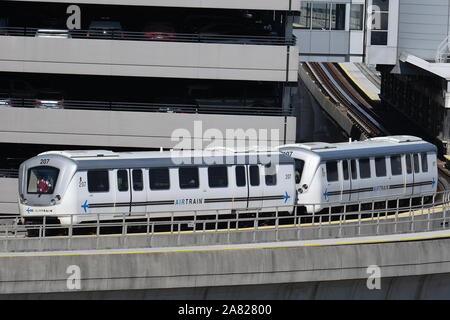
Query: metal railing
x=231, y=109
x=356, y=219
x=9, y=173
x=150, y=36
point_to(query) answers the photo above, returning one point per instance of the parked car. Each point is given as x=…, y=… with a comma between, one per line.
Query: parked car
x=159, y=31
x=105, y=29
x=17, y=92
x=48, y=98
x=53, y=33
x=5, y=99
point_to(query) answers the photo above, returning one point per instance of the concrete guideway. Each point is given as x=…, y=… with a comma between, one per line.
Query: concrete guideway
x=227, y=266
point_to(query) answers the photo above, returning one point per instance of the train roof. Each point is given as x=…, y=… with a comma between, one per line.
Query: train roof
x=371, y=147
x=105, y=159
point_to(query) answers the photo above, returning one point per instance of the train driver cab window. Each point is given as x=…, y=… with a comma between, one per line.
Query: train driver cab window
x=396, y=165
x=424, y=157
x=218, y=177
x=364, y=168
x=42, y=180
x=159, y=179
x=122, y=180
x=138, y=181
x=270, y=174
x=240, y=176
x=98, y=181
x=188, y=178
x=380, y=167
x=299, y=165
x=254, y=176
x=332, y=171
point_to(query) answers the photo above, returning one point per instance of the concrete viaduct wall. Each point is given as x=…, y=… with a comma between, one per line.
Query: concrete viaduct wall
x=338, y=267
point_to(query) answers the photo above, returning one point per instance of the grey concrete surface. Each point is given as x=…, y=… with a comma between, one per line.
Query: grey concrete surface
x=8, y=196
x=149, y=129
x=228, y=266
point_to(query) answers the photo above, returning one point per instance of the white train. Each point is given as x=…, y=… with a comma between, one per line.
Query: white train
x=374, y=170
x=84, y=184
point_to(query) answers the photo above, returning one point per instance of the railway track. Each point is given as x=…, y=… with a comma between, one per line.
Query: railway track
x=344, y=95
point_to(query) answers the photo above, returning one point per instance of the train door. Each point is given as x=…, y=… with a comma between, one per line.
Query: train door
x=100, y=198
x=122, y=191
x=419, y=175
x=409, y=175
x=354, y=181
x=333, y=189
x=138, y=193
x=239, y=187
x=255, y=186
x=346, y=182
x=218, y=190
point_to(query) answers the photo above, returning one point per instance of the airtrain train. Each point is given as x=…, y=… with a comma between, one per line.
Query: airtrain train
x=81, y=186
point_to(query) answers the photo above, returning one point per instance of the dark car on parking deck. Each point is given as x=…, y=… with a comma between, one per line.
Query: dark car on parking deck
x=105, y=29
x=159, y=31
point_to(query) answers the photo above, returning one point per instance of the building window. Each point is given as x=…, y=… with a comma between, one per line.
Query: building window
x=218, y=177
x=380, y=23
x=321, y=16
x=98, y=181
x=305, y=15
x=332, y=171
x=188, y=178
x=356, y=17
x=122, y=180
x=159, y=179
x=338, y=16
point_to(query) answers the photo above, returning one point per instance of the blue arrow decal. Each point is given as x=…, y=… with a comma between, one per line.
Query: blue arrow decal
x=28, y=210
x=433, y=182
x=325, y=194
x=85, y=206
x=286, y=197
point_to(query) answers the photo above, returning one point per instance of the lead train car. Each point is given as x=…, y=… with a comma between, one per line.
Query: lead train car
x=87, y=184
x=377, y=169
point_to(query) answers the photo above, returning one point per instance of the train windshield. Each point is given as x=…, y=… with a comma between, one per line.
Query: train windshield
x=42, y=180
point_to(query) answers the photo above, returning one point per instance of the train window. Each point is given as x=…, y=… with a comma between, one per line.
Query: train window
x=364, y=168
x=138, y=181
x=98, y=181
x=396, y=165
x=416, y=163
x=380, y=167
x=354, y=171
x=345, y=169
x=42, y=180
x=240, y=176
x=159, y=178
x=332, y=171
x=270, y=175
x=188, y=178
x=218, y=177
x=254, y=175
x=408, y=164
x=424, y=157
x=299, y=165
x=122, y=180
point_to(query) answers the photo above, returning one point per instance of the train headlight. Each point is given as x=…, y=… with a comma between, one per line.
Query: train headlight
x=53, y=202
x=23, y=200
x=58, y=197
x=305, y=186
